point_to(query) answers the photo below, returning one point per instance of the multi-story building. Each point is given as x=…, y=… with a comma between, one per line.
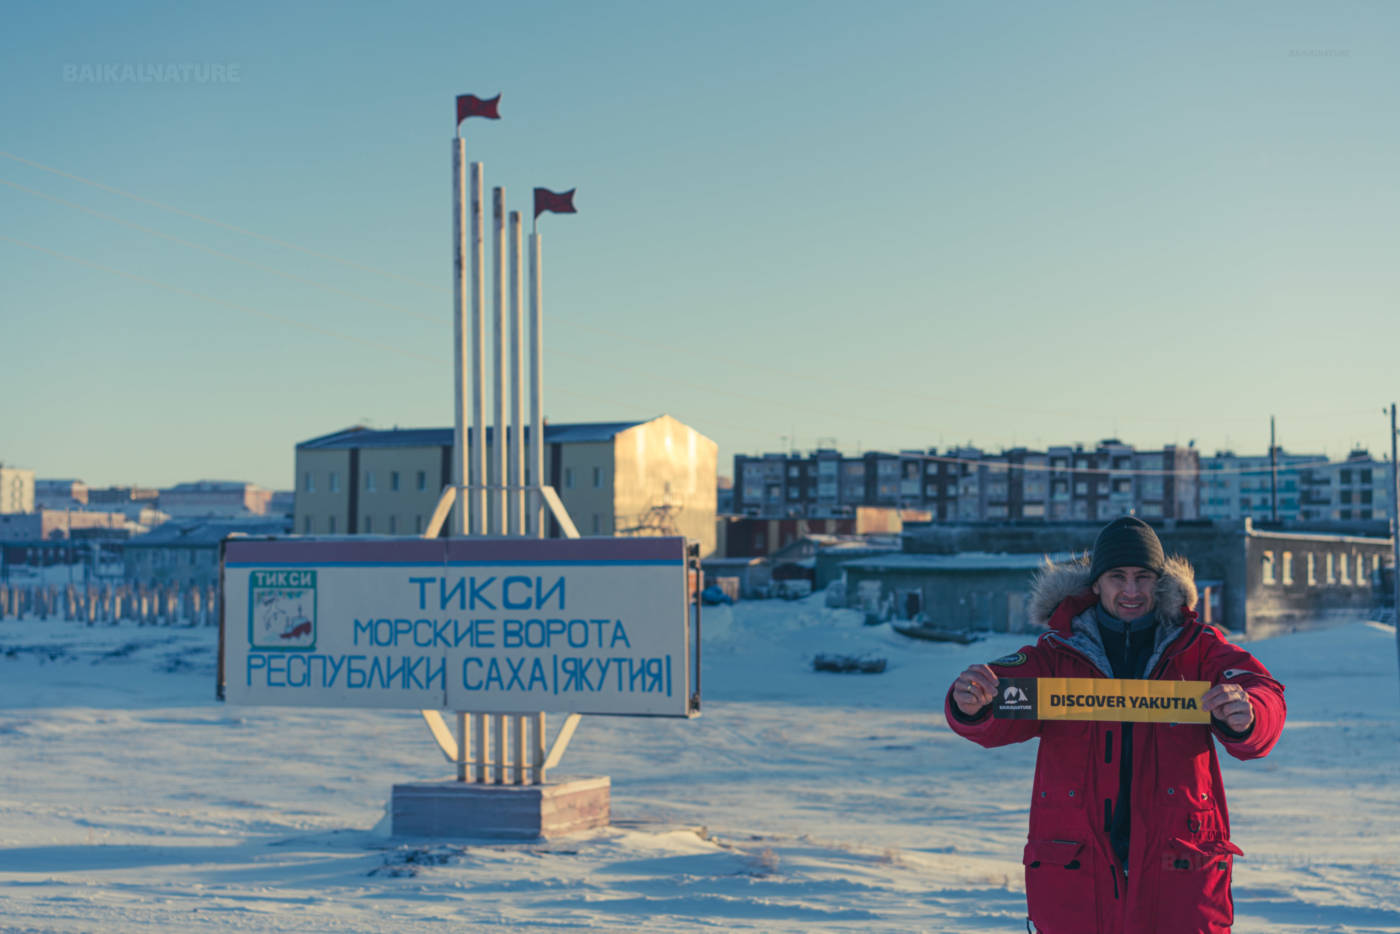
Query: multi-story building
x=1360, y=488
x=129, y=500
x=1294, y=487
x=1262, y=488
x=55, y=524
x=966, y=484
x=60, y=494
x=614, y=478
x=16, y=489
x=208, y=498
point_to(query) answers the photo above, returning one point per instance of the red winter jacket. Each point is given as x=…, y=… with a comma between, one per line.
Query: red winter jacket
x=1180, y=853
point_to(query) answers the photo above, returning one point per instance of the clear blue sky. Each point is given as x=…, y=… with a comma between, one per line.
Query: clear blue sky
x=890, y=225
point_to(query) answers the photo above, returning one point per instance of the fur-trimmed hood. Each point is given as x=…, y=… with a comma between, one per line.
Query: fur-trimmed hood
x=1056, y=582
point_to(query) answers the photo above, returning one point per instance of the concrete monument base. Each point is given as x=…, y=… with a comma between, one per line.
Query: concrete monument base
x=509, y=812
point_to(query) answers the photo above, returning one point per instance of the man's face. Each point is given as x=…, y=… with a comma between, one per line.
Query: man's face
x=1126, y=592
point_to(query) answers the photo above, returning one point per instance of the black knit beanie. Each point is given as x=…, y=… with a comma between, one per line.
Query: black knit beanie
x=1127, y=542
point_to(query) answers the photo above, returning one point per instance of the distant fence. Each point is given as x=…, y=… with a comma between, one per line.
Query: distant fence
x=147, y=604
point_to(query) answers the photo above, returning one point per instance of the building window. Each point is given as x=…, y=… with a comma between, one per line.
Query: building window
x=330, y=525
x=393, y=524
x=597, y=478
x=334, y=482
x=306, y=526
x=568, y=478
x=422, y=480
x=369, y=480
x=1312, y=569
x=595, y=519
x=1287, y=568
x=418, y=524
x=1344, y=568
x=369, y=524
x=308, y=482
x=1331, y=569
x=1361, y=580
x=1266, y=567
x=394, y=480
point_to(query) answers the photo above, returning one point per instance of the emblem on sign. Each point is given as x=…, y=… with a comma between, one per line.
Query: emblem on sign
x=282, y=610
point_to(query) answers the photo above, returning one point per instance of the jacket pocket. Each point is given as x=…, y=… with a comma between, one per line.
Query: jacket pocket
x=1060, y=886
x=1194, y=885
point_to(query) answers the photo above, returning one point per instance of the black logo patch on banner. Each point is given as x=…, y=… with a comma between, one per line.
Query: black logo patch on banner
x=1016, y=699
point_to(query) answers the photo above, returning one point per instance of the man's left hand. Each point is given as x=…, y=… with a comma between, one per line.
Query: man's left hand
x=1230, y=703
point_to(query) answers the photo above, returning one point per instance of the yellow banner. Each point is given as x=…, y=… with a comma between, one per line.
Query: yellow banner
x=1122, y=699
x=1118, y=699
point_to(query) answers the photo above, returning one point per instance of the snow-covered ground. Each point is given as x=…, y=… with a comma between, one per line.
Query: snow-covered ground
x=131, y=800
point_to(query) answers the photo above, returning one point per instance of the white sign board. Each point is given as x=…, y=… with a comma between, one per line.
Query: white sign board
x=486, y=625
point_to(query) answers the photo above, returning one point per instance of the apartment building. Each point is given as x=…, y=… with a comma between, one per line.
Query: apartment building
x=16, y=489
x=1295, y=487
x=215, y=498
x=967, y=484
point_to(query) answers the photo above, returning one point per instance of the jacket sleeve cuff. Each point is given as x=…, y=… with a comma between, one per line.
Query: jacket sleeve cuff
x=961, y=717
x=1225, y=731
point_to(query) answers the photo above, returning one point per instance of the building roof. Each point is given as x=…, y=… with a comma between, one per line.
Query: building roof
x=967, y=561
x=1320, y=537
x=182, y=534
x=209, y=486
x=357, y=437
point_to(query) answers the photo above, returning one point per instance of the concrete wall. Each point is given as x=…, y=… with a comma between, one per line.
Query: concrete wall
x=1229, y=551
x=1286, y=593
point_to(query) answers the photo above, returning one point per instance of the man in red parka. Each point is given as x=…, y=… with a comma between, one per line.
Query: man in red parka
x=1129, y=833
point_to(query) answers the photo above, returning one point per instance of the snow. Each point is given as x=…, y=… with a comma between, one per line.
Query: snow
x=131, y=800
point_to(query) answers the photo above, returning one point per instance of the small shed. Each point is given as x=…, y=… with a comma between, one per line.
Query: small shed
x=974, y=590
x=754, y=574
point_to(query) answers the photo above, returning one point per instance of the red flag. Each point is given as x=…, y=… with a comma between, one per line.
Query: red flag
x=469, y=105
x=557, y=203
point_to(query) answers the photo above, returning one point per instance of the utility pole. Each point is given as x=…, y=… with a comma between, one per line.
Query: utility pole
x=1395, y=532
x=1273, y=470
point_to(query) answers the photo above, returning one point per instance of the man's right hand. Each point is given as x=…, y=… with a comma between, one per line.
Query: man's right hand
x=974, y=689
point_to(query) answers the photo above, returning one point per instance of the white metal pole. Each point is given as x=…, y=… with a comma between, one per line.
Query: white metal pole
x=536, y=510
x=1395, y=530
x=477, y=494
x=459, y=329
x=516, y=526
x=497, y=509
